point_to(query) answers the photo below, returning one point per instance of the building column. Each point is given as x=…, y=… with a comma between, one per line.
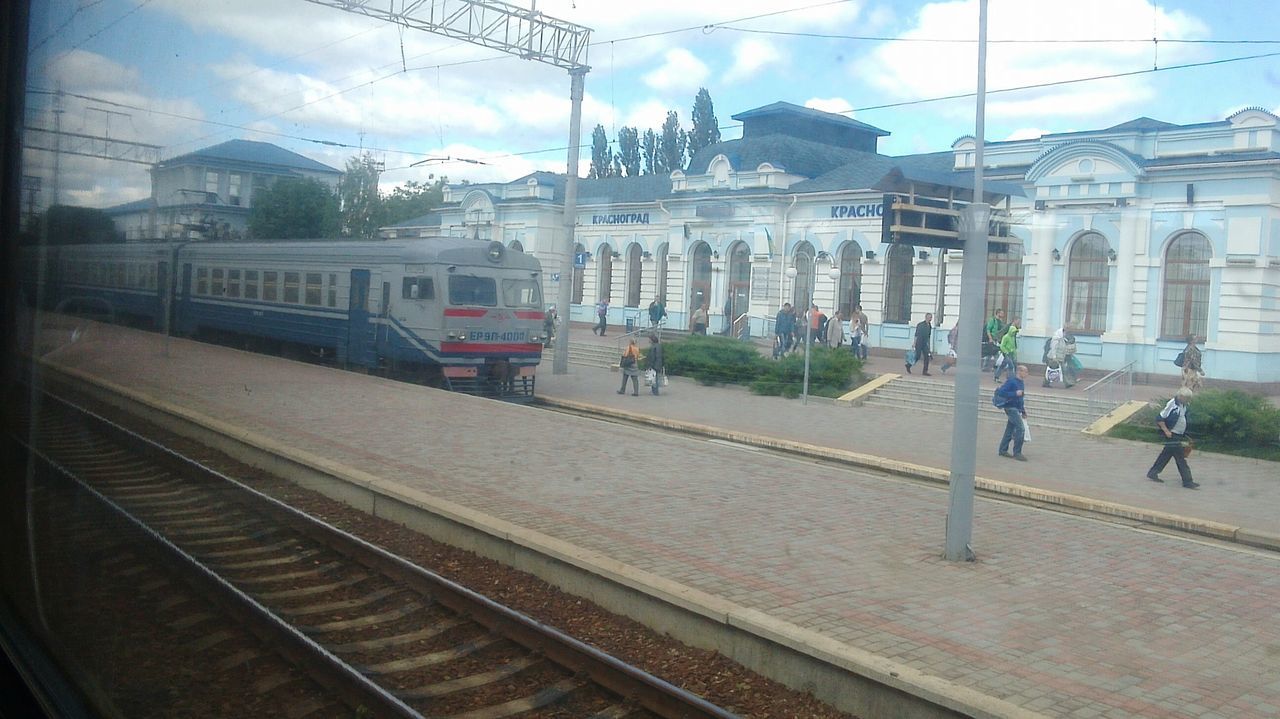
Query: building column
x=1041, y=311
x=1120, y=325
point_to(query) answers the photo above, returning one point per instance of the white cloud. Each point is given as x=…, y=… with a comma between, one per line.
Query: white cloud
x=750, y=55
x=912, y=70
x=682, y=70
x=648, y=115
x=1028, y=133
x=830, y=104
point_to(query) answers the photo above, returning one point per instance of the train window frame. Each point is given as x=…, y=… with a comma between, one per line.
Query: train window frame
x=202, y=280
x=426, y=288
x=464, y=287
x=333, y=289
x=251, y=284
x=233, y=283
x=270, y=286
x=217, y=288
x=510, y=284
x=313, y=289
x=291, y=288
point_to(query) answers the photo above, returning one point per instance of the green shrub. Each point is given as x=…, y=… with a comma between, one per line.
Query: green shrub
x=1228, y=421
x=831, y=374
x=713, y=360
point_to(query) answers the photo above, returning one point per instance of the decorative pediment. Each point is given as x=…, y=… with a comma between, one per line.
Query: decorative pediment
x=477, y=206
x=1253, y=117
x=1084, y=162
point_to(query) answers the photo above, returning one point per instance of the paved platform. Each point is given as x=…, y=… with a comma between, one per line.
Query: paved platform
x=1061, y=616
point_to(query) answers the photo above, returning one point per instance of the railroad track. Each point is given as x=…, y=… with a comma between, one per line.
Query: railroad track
x=381, y=635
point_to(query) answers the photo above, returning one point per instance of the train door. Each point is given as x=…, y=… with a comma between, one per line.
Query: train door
x=180, y=312
x=164, y=295
x=359, y=346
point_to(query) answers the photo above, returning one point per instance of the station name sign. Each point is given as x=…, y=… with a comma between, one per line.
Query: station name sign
x=871, y=209
x=621, y=218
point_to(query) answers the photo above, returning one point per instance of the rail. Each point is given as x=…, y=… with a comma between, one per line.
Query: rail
x=1114, y=388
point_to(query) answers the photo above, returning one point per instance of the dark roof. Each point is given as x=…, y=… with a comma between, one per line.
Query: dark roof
x=1142, y=124
x=867, y=168
x=788, y=108
x=795, y=155
x=249, y=152
x=147, y=203
x=897, y=179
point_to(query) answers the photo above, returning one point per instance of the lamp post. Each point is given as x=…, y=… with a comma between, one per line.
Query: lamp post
x=833, y=273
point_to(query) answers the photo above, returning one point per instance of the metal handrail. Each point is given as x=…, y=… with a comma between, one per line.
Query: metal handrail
x=1112, y=389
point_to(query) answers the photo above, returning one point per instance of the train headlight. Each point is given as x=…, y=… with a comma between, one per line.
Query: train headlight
x=459, y=336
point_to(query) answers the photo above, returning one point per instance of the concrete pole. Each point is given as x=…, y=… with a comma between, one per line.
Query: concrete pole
x=564, y=295
x=973, y=286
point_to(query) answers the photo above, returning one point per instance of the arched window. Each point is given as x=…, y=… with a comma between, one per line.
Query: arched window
x=634, y=267
x=849, y=291
x=1005, y=274
x=739, y=279
x=802, y=289
x=899, y=276
x=1088, y=278
x=1186, y=287
x=605, y=285
x=661, y=289
x=515, y=245
x=700, y=276
x=578, y=274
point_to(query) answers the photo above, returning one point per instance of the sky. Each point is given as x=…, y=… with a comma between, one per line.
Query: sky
x=331, y=84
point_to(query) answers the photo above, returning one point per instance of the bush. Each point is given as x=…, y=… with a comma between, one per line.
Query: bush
x=1228, y=421
x=714, y=360
x=831, y=374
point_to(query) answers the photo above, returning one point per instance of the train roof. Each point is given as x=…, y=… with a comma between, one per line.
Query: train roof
x=455, y=250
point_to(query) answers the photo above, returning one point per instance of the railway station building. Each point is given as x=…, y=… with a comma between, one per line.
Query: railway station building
x=1133, y=236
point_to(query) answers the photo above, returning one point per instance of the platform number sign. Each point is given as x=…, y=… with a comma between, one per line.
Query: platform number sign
x=580, y=260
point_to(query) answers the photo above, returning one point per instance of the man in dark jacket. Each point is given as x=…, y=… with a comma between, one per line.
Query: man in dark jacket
x=653, y=361
x=924, y=333
x=657, y=311
x=1009, y=397
x=783, y=327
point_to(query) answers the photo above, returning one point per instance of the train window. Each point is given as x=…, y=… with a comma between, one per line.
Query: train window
x=314, y=287
x=131, y=275
x=419, y=288
x=472, y=290
x=291, y=287
x=215, y=286
x=269, y=280
x=233, y=283
x=251, y=284
x=521, y=293
x=202, y=280
x=117, y=274
x=333, y=289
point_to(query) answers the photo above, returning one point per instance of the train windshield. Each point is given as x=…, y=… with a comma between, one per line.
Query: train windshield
x=521, y=293
x=472, y=290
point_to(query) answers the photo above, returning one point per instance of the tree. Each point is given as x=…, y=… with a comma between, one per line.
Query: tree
x=68, y=225
x=706, y=130
x=601, y=157
x=629, y=150
x=672, y=143
x=361, y=203
x=652, y=158
x=412, y=199
x=295, y=209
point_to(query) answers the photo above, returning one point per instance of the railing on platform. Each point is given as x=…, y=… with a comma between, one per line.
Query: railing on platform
x=1112, y=390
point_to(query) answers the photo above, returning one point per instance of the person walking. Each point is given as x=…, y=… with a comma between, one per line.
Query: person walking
x=783, y=324
x=1008, y=358
x=861, y=332
x=992, y=333
x=1010, y=397
x=1058, y=362
x=654, y=363
x=629, y=363
x=835, y=331
x=1192, y=365
x=657, y=311
x=924, y=334
x=953, y=340
x=1173, y=425
x=602, y=317
x=549, y=326
x=699, y=320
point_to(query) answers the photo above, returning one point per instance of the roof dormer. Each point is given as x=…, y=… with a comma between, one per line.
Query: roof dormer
x=965, y=149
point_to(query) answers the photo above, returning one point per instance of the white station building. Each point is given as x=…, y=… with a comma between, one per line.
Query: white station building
x=1133, y=236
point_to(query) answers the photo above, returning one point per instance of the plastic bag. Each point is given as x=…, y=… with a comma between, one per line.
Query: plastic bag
x=1026, y=430
x=664, y=379
x=650, y=377
x=911, y=357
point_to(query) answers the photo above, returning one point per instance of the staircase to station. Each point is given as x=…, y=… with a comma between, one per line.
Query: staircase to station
x=1060, y=410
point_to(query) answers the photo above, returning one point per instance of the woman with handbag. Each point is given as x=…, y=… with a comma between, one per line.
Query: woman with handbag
x=654, y=367
x=629, y=364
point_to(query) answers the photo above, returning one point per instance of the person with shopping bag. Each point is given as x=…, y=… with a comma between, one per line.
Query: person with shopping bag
x=1010, y=398
x=655, y=371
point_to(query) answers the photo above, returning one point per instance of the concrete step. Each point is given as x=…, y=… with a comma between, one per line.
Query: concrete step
x=1068, y=399
x=984, y=413
x=1043, y=405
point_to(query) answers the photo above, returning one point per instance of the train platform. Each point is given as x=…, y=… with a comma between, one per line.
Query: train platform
x=1061, y=615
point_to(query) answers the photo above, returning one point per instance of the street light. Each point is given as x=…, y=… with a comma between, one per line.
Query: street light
x=833, y=273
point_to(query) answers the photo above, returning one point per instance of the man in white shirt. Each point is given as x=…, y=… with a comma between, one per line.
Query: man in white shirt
x=1173, y=425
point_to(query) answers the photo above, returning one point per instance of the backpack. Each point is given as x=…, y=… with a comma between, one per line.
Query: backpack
x=1180, y=359
x=998, y=400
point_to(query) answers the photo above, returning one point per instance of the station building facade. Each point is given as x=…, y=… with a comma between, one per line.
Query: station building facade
x=1134, y=236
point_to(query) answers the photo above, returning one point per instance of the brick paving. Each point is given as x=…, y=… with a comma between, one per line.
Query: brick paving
x=1066, y=616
